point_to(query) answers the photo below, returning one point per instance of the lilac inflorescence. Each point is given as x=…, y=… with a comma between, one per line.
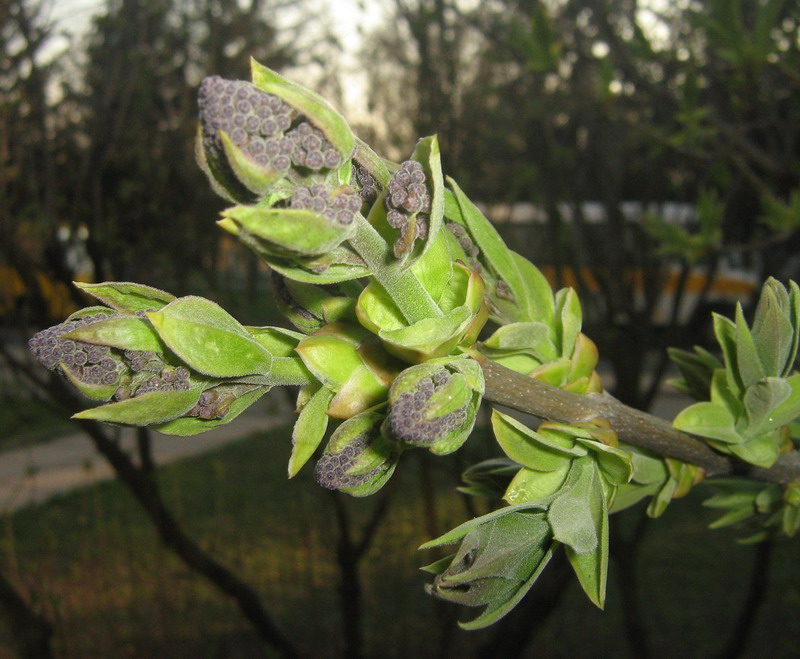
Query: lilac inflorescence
x=368, y=186
x=408, y=196
x=311, y=150
x=331, y=470
x=470, y=249
x=340, y=206
x=408, y=418
x=254, y=120
x=89, y=363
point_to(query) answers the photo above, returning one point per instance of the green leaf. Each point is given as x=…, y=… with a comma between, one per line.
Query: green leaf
x=278, y=341
x=489, y=478
x=522, y=337
x=454, y=535
x=647, y=468
x=658, y=504
x=529, y=485
x=332, y=353
x=748, y=362
x=529, y=448
x=537, y=303
x=186, y=426
x=208, y=339
x=126, y=296
x=569, y=318
x=708, y=420
x=576, y=513
x=697, y=369
x=335, y=273
x=427, y=154
x=309, y=429
x=789, y=409
x=725, y=331
x=430, y=337
x=773, y=333
x=761, y=398
x=255, y=178
x=290, y=231
x=492, y=249
x=123, y=332
x=592, y=568
x=493, y=613
x=145, y=410
x=761, y=451
x=615, y=464
x=495, y=565
x=723, y=393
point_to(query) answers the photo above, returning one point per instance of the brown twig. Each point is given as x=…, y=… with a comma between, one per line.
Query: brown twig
x=524, y=394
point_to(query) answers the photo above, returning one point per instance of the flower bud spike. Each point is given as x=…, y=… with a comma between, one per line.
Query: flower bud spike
x=358, y=460
x=242, y=145
x=433, y=405
x=316, y=110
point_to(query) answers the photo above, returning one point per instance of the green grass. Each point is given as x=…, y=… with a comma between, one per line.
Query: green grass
x=91, y=561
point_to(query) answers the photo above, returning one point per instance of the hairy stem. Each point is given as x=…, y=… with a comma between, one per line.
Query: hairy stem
x=406, y=291
x=524, y=394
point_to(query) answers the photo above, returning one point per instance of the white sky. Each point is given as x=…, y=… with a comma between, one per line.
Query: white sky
x=349, y=18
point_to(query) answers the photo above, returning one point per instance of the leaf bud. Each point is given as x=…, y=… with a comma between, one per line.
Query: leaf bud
x=499, y=558
x=312, y=223
x=349, y=361
x=358, y=458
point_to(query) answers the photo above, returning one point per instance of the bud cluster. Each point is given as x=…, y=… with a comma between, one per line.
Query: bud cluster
x=408, y=418
x=408, y=197
x=469, y=247
x=254, y=120
x=331, y=469
x=368, y=186
x=310, y=149
x=212, y=405
x=340, y=206
x=92, y=364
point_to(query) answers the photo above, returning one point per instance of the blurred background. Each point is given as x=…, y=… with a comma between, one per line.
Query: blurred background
x=646, y=152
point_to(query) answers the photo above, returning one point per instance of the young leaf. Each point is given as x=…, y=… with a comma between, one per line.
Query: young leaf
x=529, y=448
x=748, y=361
x=126, y=296
x=208, y=339
x=569, y=318
x=123, y=332
x=761, y=398
x=708, y=420
x=592, y=568
x=186, y=426
x=576, y=513
x=145, y=410
x=537, y=486
x=309, y=429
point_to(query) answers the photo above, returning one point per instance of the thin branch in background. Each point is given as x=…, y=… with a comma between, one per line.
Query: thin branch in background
x=141, y=483
x=745, y=624
x=32, y=633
